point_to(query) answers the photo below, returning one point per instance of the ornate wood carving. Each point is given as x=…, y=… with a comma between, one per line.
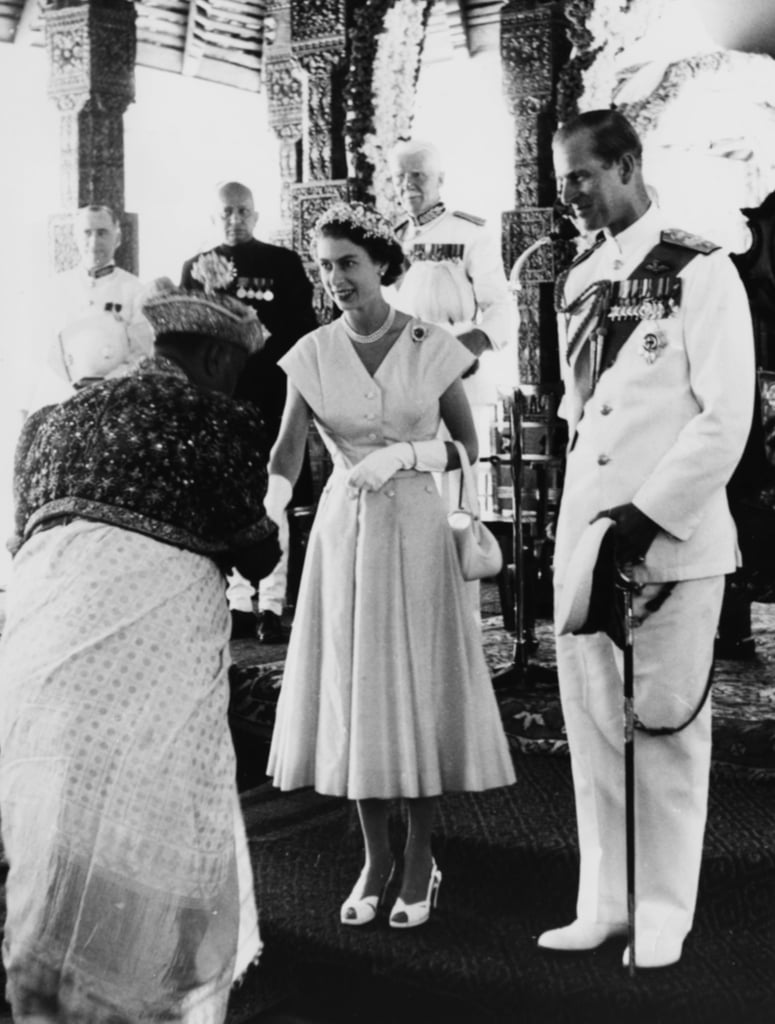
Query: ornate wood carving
x=319, y=136
x=283, y=78
x=91, y=48
x=317, y=19
x=533, y=47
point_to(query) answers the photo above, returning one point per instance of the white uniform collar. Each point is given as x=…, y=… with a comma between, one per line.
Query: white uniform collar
x=630, y=242
x=97, y=275
x=429, y=215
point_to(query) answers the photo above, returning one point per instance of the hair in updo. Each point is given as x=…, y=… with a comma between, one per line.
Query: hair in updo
x=365, y=227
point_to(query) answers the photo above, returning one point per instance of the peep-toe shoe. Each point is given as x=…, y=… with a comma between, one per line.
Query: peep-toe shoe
x=410, y=915
x=358, y=909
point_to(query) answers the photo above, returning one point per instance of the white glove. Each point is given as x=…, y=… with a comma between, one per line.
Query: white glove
x=278, y=494
x=378, y=467
x=430, y=456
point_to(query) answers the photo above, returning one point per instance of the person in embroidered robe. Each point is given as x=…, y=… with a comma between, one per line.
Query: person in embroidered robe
x=94, y=325
x=385, y=693
x=129, y=890
x=271, y=280
x=657, y=360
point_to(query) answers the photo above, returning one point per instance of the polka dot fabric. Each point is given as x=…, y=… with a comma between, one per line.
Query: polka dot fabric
x=117, y=775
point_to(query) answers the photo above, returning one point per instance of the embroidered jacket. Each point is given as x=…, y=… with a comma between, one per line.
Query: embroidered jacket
x=149, y=452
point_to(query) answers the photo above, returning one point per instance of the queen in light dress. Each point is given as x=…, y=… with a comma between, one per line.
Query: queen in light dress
x=386, y=693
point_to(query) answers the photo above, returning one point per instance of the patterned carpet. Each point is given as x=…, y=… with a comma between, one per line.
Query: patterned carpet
x=509, y=860
x=743, y=695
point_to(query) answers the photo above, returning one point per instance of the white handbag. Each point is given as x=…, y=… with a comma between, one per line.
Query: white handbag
x=479, y=552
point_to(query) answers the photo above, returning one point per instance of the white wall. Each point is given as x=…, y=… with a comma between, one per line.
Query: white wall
x=461, y=107
x=182, y=137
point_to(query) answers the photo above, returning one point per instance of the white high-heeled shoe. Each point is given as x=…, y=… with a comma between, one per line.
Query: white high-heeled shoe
x=410, y=915
x=358, y=909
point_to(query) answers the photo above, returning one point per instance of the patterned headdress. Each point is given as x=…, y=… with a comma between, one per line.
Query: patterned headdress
x=170, y=309
x=357, y=215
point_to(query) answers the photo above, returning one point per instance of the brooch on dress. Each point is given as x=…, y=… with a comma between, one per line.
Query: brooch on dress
x=652, y=345
x=419, y=333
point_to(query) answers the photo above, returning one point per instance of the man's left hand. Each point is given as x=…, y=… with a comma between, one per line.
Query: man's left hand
x=475, y=340
x=634, y=532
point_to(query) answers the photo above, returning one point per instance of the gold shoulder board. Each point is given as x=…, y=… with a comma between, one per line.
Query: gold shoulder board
x=480, y=221
x=676, y=236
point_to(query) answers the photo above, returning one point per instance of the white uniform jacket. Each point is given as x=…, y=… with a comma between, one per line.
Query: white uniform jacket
x=668, y=421
x=77, y=293
x=474, y=254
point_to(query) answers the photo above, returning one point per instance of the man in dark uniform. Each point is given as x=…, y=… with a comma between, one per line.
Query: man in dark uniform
x=272, y=280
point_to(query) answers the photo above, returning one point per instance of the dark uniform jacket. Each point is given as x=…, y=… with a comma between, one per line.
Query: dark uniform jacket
x=272, y=280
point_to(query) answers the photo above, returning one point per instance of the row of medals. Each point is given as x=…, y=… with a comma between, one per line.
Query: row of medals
x=645, y=298
x=254, y=288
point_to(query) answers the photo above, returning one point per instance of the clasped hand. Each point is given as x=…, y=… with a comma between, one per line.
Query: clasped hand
x=634, y=532
x=376, y=468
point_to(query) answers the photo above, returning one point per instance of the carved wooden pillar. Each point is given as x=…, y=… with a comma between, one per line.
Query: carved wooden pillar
x=534, y=47
x=319, y=44
x=283, y=78
x=91, y=47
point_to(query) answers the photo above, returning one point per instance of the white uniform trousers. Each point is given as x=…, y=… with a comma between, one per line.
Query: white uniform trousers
x=672, y=654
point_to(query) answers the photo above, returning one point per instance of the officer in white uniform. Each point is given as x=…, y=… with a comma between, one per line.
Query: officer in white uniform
x=656, y=430
x=455, y=278
x=465, y=244
x=95, y=325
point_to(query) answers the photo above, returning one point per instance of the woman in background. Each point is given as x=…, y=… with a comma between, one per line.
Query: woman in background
x=386, y=693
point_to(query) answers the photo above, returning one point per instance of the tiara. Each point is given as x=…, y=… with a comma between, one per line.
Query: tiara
x=358, y=215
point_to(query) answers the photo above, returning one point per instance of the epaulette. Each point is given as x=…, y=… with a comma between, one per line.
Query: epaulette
x=479, y=221
x=675, y=236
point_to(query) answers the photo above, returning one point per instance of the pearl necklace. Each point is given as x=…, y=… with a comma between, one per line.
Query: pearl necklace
x=369, y=339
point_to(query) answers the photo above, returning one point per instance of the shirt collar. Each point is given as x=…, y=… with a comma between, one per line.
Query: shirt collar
x=101, y=271
x=432, y=213
x=631, y=241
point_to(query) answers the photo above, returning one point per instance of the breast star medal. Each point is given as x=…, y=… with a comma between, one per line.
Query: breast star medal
x=652, y=345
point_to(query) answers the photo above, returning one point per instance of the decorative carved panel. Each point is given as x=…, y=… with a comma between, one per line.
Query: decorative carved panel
x=318, y=120
x=534, y=46
x=284, y=89
x=317, y=19
x=63, y=252
x=91, y=47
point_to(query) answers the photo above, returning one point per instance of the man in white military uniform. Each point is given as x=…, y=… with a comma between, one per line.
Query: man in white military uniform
x=95, y=324
x=455, y=278
x=658, y=362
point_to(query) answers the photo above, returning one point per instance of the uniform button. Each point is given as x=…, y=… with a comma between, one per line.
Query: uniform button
x=372, y=437
x=605, y=409
x=618, y=264
x=371, y=394
x=603, y=460
x=428, y=488
x=370, y=415
x=390, y=494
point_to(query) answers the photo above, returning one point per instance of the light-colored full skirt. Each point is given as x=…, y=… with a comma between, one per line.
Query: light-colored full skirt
x=386, y=692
